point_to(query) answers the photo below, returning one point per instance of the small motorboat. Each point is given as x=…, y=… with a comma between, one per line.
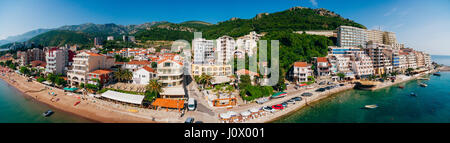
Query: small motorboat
x=401, y=87
x=47, y=113
x=371, y=106
x=437, y=74
x=413, y=94
x=423, y=84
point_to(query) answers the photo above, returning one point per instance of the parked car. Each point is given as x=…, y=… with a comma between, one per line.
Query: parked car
x=191, y=104
x=320, y=90
x=262, y=100
x=297, y=98
x=189, y=120
x=278, y=107
x=268, y=109
x=291, y=101
x=307, y=94
x=322, y=83
x=285, y=104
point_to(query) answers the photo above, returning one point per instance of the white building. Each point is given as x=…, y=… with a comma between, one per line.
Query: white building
x=56, y=60
x=144, y=75
x=203, y=51
x=170, y=72
x=225, y=49
x=301, y=72
x=84, y=63
x=135, y=65
x=348, y=36
x=247, y=44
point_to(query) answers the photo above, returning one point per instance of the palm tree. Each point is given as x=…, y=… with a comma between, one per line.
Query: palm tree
x=154, y=86
x=206, y=79
x=123, y=75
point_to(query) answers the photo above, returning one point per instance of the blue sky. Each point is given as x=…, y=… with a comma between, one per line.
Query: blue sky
x=420, y=24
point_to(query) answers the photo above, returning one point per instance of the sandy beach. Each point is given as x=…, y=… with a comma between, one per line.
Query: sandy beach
x=87, y=108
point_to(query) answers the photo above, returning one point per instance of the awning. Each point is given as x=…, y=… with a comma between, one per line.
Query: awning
x=168, y=103
x=232, y=113
x=245, y=113
x=225, y=116
x=123, y=97
x=70, y=89
x=254, y=110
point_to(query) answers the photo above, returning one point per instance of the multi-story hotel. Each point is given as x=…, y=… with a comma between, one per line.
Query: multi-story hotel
x=381, y=62
x=410, y=58
x=362, y=64
x=301, y=72
x=351, y=61
x=225, y=49
x=322, y=66
x=57, y=59
x=420, y=60
x=203, y=51
x=427, y=58
x=381, y=37
x=248, y=44
x=348, y=36
x=170, y=72
x=26, y=57
x=86, y=62
x=212, y=70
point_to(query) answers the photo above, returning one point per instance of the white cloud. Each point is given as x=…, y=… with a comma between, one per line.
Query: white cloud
x=314, y=3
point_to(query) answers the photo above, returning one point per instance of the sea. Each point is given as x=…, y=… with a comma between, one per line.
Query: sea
x=432, y=105
x=18, y=108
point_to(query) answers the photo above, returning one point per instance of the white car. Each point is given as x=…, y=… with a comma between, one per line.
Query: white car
x=191, y=104
x=268, y=109
x=262, y=100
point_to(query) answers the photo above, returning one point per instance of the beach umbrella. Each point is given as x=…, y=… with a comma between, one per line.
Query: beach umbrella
x=246, y=113
x=254, y=110
x=225, y=116
x=232, y=113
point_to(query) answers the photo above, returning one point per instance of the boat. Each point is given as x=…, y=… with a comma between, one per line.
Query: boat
x=76, y=103
x=413, y=94
x=437, y=74
x=279, y=95
x=401, y=87
x=423, y=84
x=47, y=113
x=371, y=106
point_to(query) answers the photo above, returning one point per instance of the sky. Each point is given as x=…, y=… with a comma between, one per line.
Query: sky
x=420, y=24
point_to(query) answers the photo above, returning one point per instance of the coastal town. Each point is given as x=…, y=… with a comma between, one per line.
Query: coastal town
x=203, y=84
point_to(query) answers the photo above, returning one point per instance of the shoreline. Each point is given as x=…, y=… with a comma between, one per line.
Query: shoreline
x=290, y=111
x=91, y=112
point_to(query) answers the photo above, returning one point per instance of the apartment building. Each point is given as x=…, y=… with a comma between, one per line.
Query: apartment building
x=381, y=61
x=225, y=49
x=212, y=70
x=102, y=76
x=410, y=58
x=144, y=75
x=301, y=71
x=322, y=66
x=135, y=65
x=26, y=57
x=203, y=51
x=170, y=72
x=248, y=44
x=348, y=36
x=351, y=61
x=57, y=59
x=381, y=37
x=427, y=58
x=86, y=62
x=362, y=64
x=420, y=59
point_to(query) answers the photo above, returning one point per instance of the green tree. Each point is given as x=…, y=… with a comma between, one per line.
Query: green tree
x=341, y=76
x=244, y=81
x=123, y=75
x=25, y=70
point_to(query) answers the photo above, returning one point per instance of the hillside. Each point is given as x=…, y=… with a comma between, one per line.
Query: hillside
x=294, y=19
x=61, y=37
x=23, y=37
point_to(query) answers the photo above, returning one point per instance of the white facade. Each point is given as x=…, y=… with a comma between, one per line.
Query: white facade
x=348, y=36
x=203, y=51
x=225, y=49
x=56, y=61
x=170, y=73
x=301, y=72
x=144, y=75
x=85, y=62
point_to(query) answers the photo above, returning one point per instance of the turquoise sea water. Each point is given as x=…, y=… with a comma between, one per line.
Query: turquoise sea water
x=432, y=105
x=17, y=108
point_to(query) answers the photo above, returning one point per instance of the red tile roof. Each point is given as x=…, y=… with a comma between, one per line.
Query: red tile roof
x=300, y=64
x=38, y=63
x=246, y=72
x=93, y=54
x=322, y=59
x=149, y=69
x=104, y=71
x=139, y=63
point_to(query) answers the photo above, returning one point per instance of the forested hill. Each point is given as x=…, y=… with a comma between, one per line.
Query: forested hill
x=294, y=19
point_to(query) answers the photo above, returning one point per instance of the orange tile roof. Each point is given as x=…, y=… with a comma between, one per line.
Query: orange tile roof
x=161, y=61
x=246, y=72
x=168, y=103
x=149, y=69
x=300, y=64
x=93, y=54
x=104, y=71
x=139, y=63
x=322, y=59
